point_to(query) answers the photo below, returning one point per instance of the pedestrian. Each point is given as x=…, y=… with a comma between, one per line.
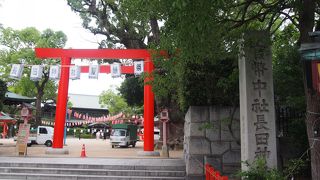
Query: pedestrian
x=101, y=134
x=104, y=135
x=97, y=135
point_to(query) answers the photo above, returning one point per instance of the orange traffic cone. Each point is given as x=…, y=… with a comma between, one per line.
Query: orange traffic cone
x=83, y=151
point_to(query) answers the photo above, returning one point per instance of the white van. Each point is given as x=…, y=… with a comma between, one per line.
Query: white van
x=41, y=135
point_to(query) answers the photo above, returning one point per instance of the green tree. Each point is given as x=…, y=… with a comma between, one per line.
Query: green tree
x=20, y=44
x=132, y=91
x=3, y=90
x=287, y=69
x=112, y=19
x=114, y=102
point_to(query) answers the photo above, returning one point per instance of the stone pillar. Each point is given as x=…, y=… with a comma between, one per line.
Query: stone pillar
x=257, y=113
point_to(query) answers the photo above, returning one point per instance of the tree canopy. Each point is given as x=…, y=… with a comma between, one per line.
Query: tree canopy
x=117, y=104
x=3, y=90
x=19, y=48
x=132, y=91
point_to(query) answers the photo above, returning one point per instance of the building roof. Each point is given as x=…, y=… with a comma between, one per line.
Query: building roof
x=85, y=101
x=6, y=118
x=13, y=98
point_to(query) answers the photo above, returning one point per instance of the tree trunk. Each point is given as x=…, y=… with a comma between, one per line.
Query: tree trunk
x=306, y=25
x=312, y=121
x=38, y=109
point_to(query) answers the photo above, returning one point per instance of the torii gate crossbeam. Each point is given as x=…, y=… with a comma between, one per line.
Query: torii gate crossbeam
x=67, y=54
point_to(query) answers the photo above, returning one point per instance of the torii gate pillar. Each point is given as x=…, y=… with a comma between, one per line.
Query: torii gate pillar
x=66, y=55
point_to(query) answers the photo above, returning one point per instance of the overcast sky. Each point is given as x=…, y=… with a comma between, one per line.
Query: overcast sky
x=57, y=15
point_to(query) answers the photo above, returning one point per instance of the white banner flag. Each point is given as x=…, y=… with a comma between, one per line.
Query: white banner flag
x=36, y=72
x=93, y=71
x=16, y=71
x=115, y=70
x=54, y=72
x=138, y=68
x=75, y=72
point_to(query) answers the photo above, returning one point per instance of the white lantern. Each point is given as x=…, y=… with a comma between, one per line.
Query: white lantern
x=93, y=71
x=16, y=71
x=36, y=72
x=115, y=70
x=75, y=72
x=54, y=72
x=138, y=68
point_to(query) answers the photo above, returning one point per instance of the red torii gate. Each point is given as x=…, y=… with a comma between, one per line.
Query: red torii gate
x=67, y=54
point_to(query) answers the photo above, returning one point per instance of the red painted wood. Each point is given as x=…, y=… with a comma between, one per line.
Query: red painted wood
x=106, y=69
x=61, y=107
x=67, y=54
x=92, y=53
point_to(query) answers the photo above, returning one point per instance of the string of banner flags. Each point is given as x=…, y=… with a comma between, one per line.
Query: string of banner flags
x=83, y=119
x=75, y=70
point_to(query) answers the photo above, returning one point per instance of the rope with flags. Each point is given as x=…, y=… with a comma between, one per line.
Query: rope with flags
x=83, y=119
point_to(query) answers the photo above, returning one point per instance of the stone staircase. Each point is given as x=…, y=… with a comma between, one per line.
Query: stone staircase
x=91, y=168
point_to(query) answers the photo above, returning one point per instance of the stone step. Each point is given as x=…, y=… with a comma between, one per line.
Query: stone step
x=102, y=172
x=79, y=177
x=90, y=166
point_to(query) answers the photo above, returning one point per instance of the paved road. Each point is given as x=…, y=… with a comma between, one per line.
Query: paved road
x=93, y=147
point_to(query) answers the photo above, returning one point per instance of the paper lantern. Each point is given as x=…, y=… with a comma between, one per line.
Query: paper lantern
x=115, y=69
x=93, y=71
x=36, y=72
x=54, y=72
x=16, y=71
x=138, y=68
x=75, y=72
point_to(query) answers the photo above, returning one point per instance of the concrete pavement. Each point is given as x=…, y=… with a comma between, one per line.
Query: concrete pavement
x=95, y=148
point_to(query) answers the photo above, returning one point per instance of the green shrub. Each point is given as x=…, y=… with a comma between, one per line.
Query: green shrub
x=86, y=136
x=258, y=171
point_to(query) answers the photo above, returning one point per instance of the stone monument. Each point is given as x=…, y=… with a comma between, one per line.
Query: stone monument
x=257, y=113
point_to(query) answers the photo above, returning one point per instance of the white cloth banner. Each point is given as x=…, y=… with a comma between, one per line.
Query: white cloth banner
x=93, y=71
x=54, y=72
x=115, y=69
x=16, y=71
x=36, y=72
x=138, y=67
x=75, y=72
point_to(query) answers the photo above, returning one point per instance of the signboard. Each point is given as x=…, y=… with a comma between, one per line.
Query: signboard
x=22, y=139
